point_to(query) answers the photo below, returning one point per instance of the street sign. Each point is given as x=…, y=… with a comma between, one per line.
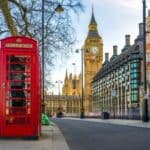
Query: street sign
x=146, y=96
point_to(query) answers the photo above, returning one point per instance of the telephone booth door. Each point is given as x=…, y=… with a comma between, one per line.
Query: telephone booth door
x=18, y=94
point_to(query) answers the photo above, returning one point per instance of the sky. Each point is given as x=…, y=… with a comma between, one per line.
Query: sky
x=115, y=19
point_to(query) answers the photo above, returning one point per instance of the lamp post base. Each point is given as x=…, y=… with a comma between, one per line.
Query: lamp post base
x=145, y=117
x=82, y=114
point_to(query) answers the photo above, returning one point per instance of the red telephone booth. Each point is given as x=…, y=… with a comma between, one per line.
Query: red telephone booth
x=20, y=87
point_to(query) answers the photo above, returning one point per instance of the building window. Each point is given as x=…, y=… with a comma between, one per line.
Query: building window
x=126, y=67
x=134, y=97
x=148, y=75
x=148, y=56
x=148, y=38
x=135, y=76
x=134, y=65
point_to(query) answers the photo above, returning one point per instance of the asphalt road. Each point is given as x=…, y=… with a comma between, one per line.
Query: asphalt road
x=84, y=135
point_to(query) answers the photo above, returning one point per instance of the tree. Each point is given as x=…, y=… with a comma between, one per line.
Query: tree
x=23, y=17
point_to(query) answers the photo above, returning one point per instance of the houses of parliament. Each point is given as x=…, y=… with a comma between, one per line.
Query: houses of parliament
x=114, y=85
x=92, y=55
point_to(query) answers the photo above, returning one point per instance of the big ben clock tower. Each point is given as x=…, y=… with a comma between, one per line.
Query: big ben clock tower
x=93, y=57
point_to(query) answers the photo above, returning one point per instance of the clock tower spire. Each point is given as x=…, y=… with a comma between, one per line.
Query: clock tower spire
x=93, y=32
x=93, y=57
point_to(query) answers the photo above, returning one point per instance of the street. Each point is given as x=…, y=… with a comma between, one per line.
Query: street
x=85, y=135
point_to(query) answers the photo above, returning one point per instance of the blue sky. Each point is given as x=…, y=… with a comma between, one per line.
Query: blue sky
x=115, y=19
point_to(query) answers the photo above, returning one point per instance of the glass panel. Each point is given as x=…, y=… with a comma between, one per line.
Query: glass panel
x=18, y=90
x=134, y=97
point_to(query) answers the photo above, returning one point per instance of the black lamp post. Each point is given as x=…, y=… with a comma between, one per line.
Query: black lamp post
x=82, y=100
x=58, y=9
x=43, y=105
x=145, y=117
x=82, y=84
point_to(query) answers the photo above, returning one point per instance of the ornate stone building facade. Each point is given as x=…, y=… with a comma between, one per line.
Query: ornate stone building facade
x=92, y=58
x=69, y=105
x=72, y=85
x=117, y=86
x=92, y=62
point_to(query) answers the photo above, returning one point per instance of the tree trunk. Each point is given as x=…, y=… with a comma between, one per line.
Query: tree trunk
x=8, y=18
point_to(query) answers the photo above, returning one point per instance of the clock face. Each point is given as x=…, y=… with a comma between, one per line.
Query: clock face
x=94, y=50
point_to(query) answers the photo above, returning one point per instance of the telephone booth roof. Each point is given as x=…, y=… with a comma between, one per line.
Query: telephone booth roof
x=17, y=43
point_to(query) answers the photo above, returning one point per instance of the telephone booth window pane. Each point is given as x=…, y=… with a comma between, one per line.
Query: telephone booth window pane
x=18, y=89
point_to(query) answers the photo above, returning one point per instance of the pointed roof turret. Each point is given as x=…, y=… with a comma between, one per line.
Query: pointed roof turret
x=70, y=76
x=66, y=76
x=93, y=27
x=93, y=21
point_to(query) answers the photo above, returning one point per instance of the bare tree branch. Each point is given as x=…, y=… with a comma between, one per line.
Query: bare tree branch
x=8, y=18
x=23, y=17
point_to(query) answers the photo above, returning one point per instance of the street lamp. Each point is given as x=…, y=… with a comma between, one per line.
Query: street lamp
x=145, y=117
x=59, y=82
x=58, y=9
x=82, y=84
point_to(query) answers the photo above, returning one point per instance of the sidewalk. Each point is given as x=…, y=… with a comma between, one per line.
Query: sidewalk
x=135, y=123
x=51, y=139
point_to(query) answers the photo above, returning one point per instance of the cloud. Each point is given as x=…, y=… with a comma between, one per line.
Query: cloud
x=127, y=3
x=118, y=3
